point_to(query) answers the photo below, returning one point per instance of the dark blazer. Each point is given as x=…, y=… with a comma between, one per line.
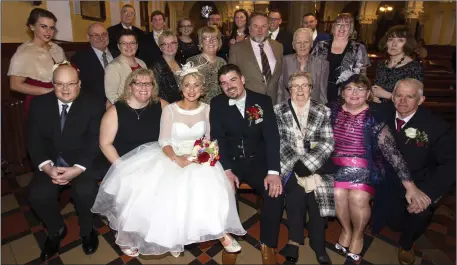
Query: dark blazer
x=235, y=133
x=433, y=165
x=321, y=36
x=114, y=34
x=285, y=38
x=92, y=73
x=148, y=51
x=77, y=144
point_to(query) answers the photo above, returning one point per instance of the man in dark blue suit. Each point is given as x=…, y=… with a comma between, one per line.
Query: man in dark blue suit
x=310, y=21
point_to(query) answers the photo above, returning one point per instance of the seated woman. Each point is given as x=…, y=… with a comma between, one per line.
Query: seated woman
x=303, y=61
x=167, y=67
x=306, y=143
x=361, y=141
x=210, y=41
x=32, y=64
x=159, y=200
x=399, y=45
x=120, y=68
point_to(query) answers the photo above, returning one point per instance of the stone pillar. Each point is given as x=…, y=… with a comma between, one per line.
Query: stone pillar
x=296, y=11
x=367, y=28
x=413, y=12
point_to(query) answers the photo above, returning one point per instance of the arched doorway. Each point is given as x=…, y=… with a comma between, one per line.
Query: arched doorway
x=386, y=20
x=195, y=13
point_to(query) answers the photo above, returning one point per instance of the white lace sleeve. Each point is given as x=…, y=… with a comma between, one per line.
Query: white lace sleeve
x=166, y=122
x=208, y=127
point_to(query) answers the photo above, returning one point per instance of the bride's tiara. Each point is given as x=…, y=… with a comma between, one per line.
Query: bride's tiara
x=188, y=68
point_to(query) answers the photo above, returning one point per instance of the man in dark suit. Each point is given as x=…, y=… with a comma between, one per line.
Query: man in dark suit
x=92, y=62
x=310, y=21
x=278, y=34
x=149, y=45
x=258, y=57
x=427, y=144
x=244, y=124
x=127, y=19
x=63, y=131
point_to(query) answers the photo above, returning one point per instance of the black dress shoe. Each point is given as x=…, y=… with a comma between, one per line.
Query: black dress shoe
x=90, y=242
x=290, y=252
x=324, y=259
x=52, y=244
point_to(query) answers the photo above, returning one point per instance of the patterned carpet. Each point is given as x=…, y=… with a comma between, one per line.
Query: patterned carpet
x=23, y=234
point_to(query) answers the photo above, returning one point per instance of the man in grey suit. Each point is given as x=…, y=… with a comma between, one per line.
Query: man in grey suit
x=258, y=57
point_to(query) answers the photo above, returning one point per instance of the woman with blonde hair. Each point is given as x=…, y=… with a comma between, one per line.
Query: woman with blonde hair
x=158, y=198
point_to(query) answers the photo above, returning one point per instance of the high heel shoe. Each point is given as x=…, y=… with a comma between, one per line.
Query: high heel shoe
x=132, y=252
x=353, y=257
x=175, y=254
x=341, y=249
x=233, y=246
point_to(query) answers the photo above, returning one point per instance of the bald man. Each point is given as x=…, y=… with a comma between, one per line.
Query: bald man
x=63, y=129
x=93, y=60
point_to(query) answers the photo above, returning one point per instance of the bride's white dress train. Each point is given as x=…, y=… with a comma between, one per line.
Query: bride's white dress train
x=157, y=206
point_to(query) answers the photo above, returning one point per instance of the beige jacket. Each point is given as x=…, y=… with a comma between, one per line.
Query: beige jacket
x=116, y=73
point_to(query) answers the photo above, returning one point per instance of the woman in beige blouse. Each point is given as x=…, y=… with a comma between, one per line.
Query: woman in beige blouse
x=210, y=41
x=303, y=61
x=30, y=68
x=119, y=69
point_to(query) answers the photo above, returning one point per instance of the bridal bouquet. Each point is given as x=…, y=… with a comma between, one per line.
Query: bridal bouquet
x=205, y=152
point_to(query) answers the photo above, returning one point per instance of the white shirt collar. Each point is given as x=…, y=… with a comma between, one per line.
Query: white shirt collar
x=100, y=53
x=256, y=44
x=61, y=103
x=235, y=101
x=274, y=34
x=314, y=34
x=157, y=33
x=126, y=27
x=406, y=119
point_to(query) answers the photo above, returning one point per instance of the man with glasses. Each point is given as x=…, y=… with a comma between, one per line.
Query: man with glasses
x=277, y=33
x=93, y=60
x=63, y=130
x=262, y=74
x=127, y=20
x=310, y=21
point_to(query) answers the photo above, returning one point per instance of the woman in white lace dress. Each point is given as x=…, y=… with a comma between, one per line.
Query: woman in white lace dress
x=157, y=200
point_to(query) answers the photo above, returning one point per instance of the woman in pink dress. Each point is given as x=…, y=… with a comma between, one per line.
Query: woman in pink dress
x=30, y=68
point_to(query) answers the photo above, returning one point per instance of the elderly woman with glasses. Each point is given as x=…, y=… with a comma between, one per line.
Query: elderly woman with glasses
x=120, y=68
x=166, y=68
x=361, y=143
x=306, y=139
x=345, y=56
x=210, y=42
x=303, y=61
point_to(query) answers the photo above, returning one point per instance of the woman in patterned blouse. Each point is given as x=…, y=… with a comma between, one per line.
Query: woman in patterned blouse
x=399, y=45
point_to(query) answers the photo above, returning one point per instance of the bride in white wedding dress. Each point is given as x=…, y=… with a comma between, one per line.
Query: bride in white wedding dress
x=157, y=200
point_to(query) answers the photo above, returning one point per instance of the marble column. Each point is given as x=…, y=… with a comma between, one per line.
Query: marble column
x=413, y=12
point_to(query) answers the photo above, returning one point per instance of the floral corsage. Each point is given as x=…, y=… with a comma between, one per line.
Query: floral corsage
x=255, y=113
x=205, y=152
x=420, y=136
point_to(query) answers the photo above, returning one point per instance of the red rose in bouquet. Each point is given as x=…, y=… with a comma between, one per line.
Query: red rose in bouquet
x=203, y=157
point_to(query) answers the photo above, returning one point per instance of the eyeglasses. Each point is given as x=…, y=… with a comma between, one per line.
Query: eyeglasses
x=70, y=85
x=128, y=43
x=99, y=36
x=302, y=43
x=169, y=44
x=342, y=25
x=301, y=87
x=143, y=84
x=355, y=89
x=210, y=39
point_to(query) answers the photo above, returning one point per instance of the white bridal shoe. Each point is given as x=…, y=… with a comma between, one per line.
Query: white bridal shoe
x=233, y=247
x=175, y=253
x=132, y=252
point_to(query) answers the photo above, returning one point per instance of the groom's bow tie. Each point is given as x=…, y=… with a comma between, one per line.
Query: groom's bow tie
x=239, y=102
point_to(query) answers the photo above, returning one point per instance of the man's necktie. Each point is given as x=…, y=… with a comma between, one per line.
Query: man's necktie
x=400, y=123
x=266, y=71
x=105, y=59
x=63, y=117
x=269, y=35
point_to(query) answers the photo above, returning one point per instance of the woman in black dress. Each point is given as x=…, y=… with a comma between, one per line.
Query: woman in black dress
x=187, y=46
x=134, y=119
x=399, y=44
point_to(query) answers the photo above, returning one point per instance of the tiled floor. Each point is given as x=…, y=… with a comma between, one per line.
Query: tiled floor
x=22, y=236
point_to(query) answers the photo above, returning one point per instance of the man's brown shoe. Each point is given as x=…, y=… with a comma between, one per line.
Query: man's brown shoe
x=229, y=258
x=406, y=256
x=268, y=255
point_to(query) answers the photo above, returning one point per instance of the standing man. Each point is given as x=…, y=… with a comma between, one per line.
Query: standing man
x=63, y=131
x=427, y=144
x=310, y=21
x=93, y=60
x=127, y=19
x=149, y=45
x=277, y=33
x=259, y=57
x=244, y=124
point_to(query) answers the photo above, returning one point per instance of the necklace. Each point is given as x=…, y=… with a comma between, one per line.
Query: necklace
x=399, y=62
x=240, y=33
x=138, y=115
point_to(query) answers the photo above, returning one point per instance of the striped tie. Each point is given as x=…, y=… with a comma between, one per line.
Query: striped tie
x=266, y=71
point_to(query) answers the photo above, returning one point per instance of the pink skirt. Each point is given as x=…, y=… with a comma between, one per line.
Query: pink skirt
x=354, y=186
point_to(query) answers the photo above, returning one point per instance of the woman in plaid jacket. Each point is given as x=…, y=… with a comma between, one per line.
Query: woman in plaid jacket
x=306, y=139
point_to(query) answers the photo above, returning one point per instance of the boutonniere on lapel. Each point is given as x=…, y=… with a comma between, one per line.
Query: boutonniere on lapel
x=255, y=113
x=420, y=137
